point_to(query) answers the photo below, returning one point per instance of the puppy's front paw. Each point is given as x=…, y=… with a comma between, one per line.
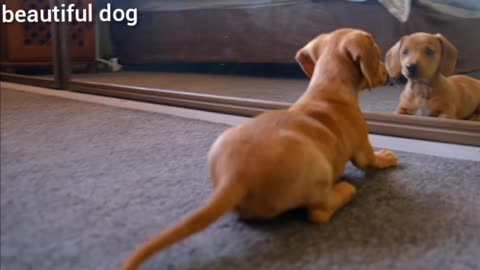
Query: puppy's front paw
x=446, y=116
x=402, y=110
x=385, y=159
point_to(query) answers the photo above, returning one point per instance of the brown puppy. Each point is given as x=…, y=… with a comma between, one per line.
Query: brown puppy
x=282, y=160
x=427, y=60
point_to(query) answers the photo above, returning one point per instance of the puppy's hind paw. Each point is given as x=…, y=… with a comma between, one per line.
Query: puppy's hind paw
x=320, y=216
x=385, y=159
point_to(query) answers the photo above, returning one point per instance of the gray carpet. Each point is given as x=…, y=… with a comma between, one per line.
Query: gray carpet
x=83, y=184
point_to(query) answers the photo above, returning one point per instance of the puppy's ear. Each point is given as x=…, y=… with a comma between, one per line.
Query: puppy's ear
x=392, y=60
x=307, y=56
x=448, y=63
x=306, y=61
x=365, y=53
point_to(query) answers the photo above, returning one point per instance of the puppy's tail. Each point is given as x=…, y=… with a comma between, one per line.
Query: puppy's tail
x=223, y=200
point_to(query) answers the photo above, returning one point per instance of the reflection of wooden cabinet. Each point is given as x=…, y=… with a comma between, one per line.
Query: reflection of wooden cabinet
x=30, y=44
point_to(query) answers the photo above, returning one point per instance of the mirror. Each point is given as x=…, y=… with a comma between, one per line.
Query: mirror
x=246, y=48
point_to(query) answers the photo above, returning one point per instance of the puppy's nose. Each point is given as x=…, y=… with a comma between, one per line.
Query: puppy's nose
x=412, y=70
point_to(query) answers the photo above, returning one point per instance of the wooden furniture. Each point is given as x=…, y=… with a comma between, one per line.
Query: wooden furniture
x=30, y=44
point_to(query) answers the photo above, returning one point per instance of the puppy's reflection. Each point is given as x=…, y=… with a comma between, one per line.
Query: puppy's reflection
x=428, y=61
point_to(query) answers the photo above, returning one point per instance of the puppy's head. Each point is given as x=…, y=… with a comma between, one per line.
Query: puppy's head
x=421, y=56
x=345, y=52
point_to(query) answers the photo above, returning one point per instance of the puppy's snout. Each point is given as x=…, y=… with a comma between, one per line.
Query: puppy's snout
x=412, y=70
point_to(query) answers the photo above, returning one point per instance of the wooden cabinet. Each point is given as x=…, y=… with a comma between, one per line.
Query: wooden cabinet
x=30, y=44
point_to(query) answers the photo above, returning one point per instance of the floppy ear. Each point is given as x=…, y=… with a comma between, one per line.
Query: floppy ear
x=307, y=56
x=448, y=63
x=306, y=61
x=392, y=60
x=363, y=51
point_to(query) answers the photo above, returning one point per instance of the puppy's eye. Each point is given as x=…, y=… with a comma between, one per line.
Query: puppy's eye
x=405, y=52
x=429, y=52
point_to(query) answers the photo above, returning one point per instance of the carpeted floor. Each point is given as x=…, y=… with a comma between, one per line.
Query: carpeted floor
x=83, y=184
